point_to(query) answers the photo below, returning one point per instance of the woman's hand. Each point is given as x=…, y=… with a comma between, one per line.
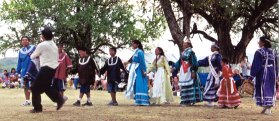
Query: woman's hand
x=193, y=75
x=126, y=63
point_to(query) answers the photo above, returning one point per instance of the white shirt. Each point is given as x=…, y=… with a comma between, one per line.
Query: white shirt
x=47, y=51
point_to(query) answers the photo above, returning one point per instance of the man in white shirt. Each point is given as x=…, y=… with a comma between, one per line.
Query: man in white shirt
x=47, y=52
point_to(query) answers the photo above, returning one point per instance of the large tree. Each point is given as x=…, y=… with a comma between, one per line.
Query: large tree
x=226, y=18
x=90, y=23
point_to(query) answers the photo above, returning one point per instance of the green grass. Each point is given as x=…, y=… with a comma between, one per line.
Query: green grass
x=10, y=109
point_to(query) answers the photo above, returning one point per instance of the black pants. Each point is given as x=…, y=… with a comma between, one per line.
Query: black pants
x=238, y=83
x=42, y=84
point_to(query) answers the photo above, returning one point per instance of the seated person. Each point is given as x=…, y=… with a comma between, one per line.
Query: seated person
x=5, y=79
x=237, y=78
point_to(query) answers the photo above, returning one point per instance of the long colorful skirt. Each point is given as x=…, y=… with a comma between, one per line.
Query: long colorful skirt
x=190, y=88
x=161, y=91
x=137, y=87
x=227, y=94
x=265, y=88
x=210, y=90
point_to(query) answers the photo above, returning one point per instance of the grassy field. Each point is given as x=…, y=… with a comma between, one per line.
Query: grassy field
x=10, y=109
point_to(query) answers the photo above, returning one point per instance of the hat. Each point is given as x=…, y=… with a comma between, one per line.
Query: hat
x=186, y=39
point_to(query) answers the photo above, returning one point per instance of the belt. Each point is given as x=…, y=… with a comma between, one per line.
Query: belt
x=270, y=65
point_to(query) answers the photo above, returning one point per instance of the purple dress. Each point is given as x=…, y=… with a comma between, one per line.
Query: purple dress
x=215, y=67
x=264, y=69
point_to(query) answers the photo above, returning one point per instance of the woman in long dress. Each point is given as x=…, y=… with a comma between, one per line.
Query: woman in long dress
x=265, y=70
x=188, y=79
x=213, y=79
x=137, y=87
x=228, y=96
x=161, y=91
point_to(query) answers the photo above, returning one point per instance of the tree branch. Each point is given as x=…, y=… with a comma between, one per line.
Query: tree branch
x=207, y=17
x=172, y=23
x=247, y=4
x=205, y=35
x=107, y=3
x=104, y=43
x=266, y=20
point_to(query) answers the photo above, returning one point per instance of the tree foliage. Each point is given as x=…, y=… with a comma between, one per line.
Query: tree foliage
x=89, y=23
x=226, y=18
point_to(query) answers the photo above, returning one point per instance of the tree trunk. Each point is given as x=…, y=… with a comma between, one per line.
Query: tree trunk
x=175, y=30
x=227, y=49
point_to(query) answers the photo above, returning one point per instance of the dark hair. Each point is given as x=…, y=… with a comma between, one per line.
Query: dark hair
x=171, y=63
x=84, y=49
x=25, y=37
x=266, y=41
x=114, y=49
x=5, y=70
x=12, y=70
x=138, y=43
x=60, y=45
x=161, y=51
x=225, y=60
x=190, y=44
x=47, y=33
x=157, y=58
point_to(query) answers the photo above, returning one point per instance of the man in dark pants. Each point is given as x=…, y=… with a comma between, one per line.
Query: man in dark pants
x=47, y=52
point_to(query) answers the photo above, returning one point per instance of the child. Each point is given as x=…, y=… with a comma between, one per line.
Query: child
x=13, y=78
x=228, y=96
x=61, y=71
x=237, y=78
x=113, y=66
x=86, y=72
x=5, y=78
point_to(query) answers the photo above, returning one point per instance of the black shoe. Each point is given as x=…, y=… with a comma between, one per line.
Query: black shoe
x=87, y=104
x=35, y=111
x=77, y=103
x=60, y=104
x=235, y=107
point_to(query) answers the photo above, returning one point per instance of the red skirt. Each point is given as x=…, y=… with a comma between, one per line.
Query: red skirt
x=227, y=94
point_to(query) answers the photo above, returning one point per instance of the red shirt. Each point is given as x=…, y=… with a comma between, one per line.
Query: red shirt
x=64, y=63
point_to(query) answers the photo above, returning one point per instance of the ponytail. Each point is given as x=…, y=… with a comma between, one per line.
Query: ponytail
x=139, y=44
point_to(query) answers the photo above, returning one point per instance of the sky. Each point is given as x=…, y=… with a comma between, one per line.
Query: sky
x=201, y=47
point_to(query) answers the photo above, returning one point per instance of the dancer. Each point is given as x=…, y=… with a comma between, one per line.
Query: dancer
x=65, y=64
x=213, y=79
x=112, y=67
x=228, y=96
x=47, y=52
x=162, y=90
x=188, y=79
x=87, y=69
x=137, y=82
x=265, y=70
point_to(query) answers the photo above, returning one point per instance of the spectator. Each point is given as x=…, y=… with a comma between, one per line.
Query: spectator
x=13, y=76
x=5, y=79
x=245, y=67
x=237, y=78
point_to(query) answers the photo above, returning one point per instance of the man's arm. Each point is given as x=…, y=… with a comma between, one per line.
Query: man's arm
x=37, y=52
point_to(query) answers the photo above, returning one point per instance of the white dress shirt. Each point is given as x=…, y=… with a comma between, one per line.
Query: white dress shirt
x=47, y=51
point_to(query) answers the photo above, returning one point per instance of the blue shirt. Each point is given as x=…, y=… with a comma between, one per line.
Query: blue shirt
x=24, y=59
